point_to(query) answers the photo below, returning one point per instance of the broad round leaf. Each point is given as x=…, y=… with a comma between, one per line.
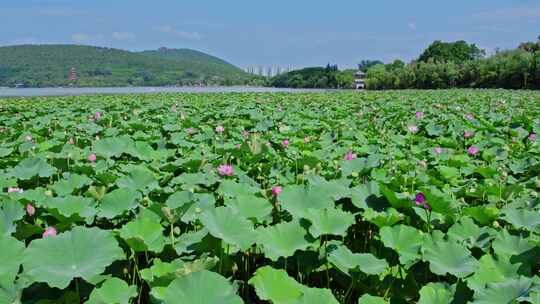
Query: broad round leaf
x=79, y=253
x=224, y=224
x=329, y=221
x=202, y=287
x=282, y=240
x=347, y=261
x=112, y=291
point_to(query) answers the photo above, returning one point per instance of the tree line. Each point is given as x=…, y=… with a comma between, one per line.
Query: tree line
x=461, y=65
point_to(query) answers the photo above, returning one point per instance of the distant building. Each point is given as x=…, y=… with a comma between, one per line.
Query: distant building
x=72, y=76
x=360, y=80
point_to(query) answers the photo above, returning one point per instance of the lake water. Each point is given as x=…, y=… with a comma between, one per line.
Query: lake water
x=36, y=92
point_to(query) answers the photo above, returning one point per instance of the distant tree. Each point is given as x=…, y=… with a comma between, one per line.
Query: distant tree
x=364, y=65
x=459, y=51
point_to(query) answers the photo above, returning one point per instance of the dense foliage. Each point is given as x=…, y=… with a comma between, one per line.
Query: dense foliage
x=50, y=65
x=458, y=51
x=372, y=197
x=315, y=77
x=512, y=69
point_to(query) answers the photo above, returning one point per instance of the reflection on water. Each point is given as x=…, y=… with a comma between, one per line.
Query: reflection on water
x=34, y=92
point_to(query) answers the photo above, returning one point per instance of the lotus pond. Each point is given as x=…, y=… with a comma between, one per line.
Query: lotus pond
x=370, y=197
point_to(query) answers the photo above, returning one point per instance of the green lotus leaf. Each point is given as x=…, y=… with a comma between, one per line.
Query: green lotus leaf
x=112, y=291
x=11, y=257
x=336, y=189
x=118, y=201
x=397, y=200
x=447, y=256
x=436, y=293
x=202, y=287
x=314, y=296
x=180, y=199
x=109, y=147
x=405, y=240
x=10, y=213
x=466, y=232
x=506, y=244
x=449, y=173
x=67, y=186
x=492, y=269
x=275, y=285
x=347, y=261
x=138, y=179
x=31, y=167
x=298, y=199
x=70, y=205
x=144, y=234
x=231, y=188
x=190, y=180
x=165, y=272
x=388, y=217
x=366, y=196
x=482, y=214
x=282, y=240
x=79, y=253
x=5, y=151
x=509, y=291
x=369, y=299
x=187, y=242
x=329, y=221
x=203, y=202
x=224, y=224
x=251, y=207
x=521, y=218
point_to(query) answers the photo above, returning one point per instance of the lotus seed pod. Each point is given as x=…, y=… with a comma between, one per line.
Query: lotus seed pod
x=48, y=193
x=177, y=231
x=354, y=174
x=496, y=224
x=198, y=210
x=306, y=168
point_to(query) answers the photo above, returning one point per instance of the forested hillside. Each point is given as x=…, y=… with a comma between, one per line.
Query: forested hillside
x=50, y=65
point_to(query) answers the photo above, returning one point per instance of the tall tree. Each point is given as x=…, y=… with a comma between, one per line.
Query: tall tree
x=457, y=52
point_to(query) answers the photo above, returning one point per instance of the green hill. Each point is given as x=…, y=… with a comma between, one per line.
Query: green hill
x=50, y=65
x=192, y=60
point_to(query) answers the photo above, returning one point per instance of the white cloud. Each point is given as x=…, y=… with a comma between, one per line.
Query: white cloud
x=167, y=29
x=123, y=36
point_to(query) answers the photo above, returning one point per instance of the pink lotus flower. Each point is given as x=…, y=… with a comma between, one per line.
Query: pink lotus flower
x=30, y=210
x=173, y=109
x=190, y=131
x=285, y=143
x=307, y=139
x=349, y=156
x=237, y=146
x=420, y=200
x=419, y=114
x=49, y=231
x=469, y=116
x=28, y=138
x=71, y=141
x=245, y=133
x=472, y=150
x=532, y=137
x=92, y=158
x=220, y=129
x=468, y=134
x=97, y=116
x=413, y=129
x=276, y=190
x=225, y=170
x=14, y=190
x=437, y=150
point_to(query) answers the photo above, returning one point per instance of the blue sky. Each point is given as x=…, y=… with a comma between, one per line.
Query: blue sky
x=278, y=32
